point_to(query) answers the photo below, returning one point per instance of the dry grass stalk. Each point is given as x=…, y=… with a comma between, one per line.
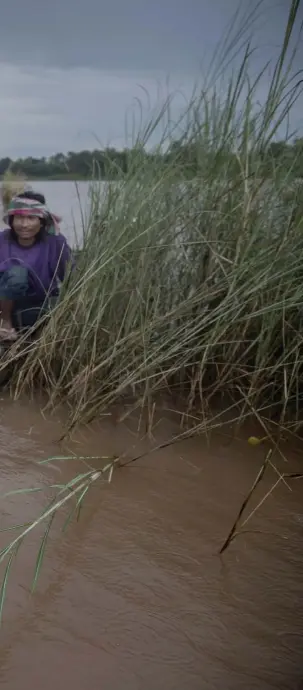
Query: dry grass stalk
x=12, y=184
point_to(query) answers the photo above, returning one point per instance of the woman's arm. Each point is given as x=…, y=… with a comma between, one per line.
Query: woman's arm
x=7, y=332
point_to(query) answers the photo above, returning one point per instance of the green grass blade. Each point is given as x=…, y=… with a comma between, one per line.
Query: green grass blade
x=75, y=509
x=41, y=553
x=13, y=555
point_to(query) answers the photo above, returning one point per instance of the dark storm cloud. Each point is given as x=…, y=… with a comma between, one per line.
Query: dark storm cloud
x=70, y=70
x=124, y=34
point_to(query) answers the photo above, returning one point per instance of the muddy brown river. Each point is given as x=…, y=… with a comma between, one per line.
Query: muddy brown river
x=135, y=596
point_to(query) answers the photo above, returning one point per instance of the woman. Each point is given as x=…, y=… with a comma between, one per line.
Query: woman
x=34, y=257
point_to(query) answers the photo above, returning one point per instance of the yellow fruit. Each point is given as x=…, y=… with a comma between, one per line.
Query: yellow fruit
x=254, y=441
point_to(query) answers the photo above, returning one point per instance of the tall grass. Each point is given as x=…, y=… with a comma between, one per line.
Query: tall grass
x=192, y=286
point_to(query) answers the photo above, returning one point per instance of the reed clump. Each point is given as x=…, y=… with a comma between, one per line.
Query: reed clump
x=12, y=184
x=188, y=283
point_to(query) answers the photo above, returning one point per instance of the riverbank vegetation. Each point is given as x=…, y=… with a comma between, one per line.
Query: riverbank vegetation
x=112, y=163
x=192, y=287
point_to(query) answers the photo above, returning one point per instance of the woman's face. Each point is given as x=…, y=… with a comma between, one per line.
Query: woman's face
x=26, y=227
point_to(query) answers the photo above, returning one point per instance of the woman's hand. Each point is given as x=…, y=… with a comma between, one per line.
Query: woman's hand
x=7, y=332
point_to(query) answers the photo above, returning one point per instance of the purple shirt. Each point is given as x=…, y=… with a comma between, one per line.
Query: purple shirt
x=46, y=261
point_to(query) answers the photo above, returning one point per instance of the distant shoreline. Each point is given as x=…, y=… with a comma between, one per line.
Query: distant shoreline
x=56, y=178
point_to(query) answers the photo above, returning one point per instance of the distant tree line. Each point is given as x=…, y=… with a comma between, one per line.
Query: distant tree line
x=71, y=165
x=110, y=163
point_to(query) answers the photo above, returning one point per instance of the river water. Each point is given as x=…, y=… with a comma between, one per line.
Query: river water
x=135, y=595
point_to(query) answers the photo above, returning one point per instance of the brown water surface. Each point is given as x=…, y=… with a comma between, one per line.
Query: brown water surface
x=135, y=596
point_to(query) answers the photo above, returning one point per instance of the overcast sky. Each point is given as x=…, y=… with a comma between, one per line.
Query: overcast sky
x=72, y=71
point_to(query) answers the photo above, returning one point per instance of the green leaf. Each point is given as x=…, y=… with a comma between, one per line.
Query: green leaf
x=14, y=527
x=5, y=578
x=76, y=508
x=41, y=553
